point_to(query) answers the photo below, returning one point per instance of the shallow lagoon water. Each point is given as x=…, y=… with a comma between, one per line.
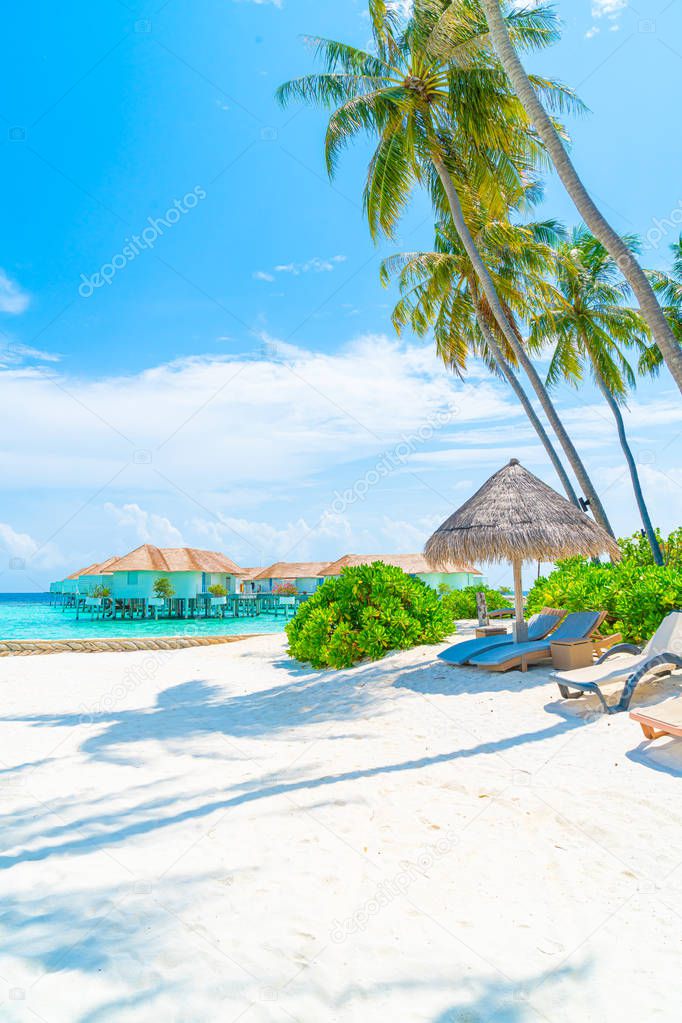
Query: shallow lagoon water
x=30, y=616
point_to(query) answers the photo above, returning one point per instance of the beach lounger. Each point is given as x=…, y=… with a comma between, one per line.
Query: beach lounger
x=578, y=625
x=663, y=719
x=539, y=626
x=661, y=655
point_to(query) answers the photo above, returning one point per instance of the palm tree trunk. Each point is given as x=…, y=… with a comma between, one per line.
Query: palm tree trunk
x=597, y=223
x=526, y=405
x=632, y=466
x=498, y=312
x=538, y=386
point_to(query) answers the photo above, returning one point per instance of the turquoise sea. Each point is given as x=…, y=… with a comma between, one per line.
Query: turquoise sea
x=30, y=616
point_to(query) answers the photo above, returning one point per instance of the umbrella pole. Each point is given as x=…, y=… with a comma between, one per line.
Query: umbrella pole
x=520, y=627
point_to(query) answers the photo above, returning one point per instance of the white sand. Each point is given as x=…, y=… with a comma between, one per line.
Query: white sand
x=218, y=834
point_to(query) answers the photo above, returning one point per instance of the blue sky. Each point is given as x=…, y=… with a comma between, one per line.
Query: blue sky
x=237, y=375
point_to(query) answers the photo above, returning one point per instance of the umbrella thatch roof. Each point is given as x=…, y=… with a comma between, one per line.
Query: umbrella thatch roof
x=516, y=517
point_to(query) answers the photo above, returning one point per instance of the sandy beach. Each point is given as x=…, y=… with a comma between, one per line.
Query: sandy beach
x=220, y=834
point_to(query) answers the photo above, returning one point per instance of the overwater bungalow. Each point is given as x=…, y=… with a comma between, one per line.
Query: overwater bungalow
x=129, y=582
x=86, y=580
x=455, y=575
x=190, y=571
x=72, y=582
x=246, y=582
x=95, y=577
x=125, y=585
x=305, y=576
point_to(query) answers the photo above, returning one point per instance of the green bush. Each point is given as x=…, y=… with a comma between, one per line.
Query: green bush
x=636, y=549
x=163, y=587
x=462, y=603
x=635, y=593
x=363, y=613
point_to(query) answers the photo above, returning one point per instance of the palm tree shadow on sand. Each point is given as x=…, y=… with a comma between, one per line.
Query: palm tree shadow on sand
x=480, y=999
x=198, y=708
x=439, y=679
x=83, y=834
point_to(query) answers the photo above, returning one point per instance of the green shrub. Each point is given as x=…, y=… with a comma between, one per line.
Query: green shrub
x=462, y=603
x=217, y=590
x=363, y=613
x=635, y=593
x=163, y=588
x=636, y=549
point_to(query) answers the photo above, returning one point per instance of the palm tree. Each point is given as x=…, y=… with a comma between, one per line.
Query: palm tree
x=440, y=290
x=443, y=122
x=529, y=95
x=669, y=287
x=588, y=323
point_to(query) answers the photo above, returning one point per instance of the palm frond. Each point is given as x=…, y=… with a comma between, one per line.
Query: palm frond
x=390, y=178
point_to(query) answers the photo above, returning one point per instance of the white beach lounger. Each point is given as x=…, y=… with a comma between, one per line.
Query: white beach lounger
x=661, y=655
x=665, y=719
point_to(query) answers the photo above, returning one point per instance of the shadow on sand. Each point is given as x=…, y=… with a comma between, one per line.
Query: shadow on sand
x=105, y=830
x=448, y=680
x=197, y=708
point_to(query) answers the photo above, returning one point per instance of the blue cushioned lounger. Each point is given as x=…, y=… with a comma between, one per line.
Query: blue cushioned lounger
x=579, y=625
x=538, y=627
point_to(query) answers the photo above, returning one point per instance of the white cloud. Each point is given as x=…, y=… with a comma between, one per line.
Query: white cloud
x=12, y=297
x=233, y=421
x=400, y=535
x=13, y=353
x=314, y=265
x=17, y=545
x=21, y=551
x=608, y=8
x=144, y=526
x=246, y=454
x=253, y=542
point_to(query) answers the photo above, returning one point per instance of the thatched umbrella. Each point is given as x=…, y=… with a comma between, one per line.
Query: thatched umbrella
x=516, y=517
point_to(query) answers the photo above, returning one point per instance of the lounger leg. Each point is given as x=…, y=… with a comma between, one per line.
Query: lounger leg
x=651, y=733
x=591, y=688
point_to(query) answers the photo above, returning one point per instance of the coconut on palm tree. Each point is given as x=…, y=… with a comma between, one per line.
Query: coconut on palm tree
x=589, y=323
x=444, y=122
x=524, y=87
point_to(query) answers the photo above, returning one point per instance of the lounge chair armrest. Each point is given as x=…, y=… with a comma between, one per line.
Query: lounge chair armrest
x=619, y=648
x=667, y=657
